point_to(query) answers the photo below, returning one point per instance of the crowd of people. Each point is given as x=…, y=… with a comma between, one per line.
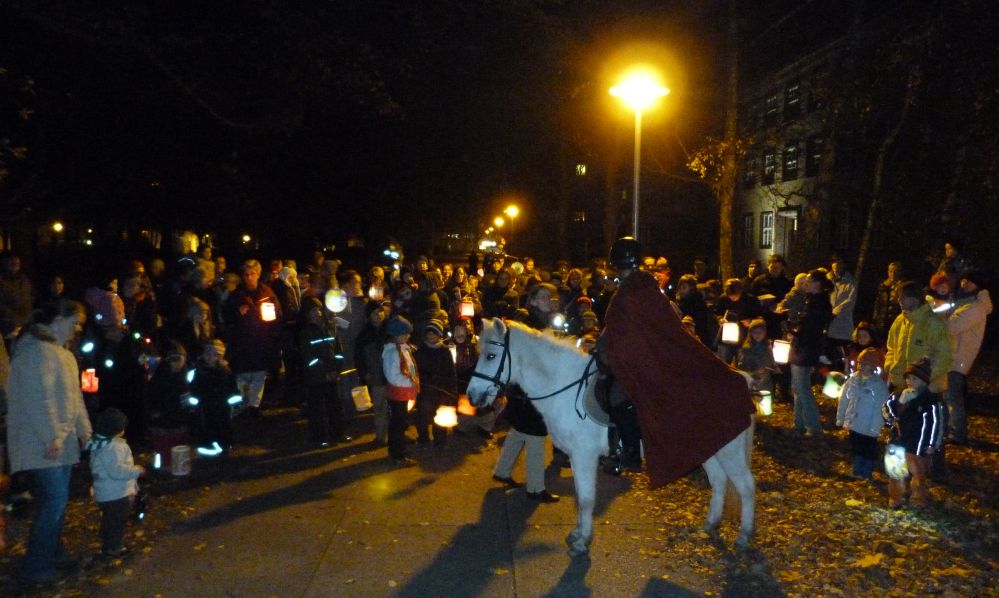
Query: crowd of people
x=182, y=353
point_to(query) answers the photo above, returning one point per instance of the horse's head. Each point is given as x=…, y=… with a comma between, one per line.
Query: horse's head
x=492, y=370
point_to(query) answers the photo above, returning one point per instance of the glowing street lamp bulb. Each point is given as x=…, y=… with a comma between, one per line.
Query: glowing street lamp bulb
x=639, y=91
x=58, y=227
x=499, y=222
x=246, y=238
x=512, y=211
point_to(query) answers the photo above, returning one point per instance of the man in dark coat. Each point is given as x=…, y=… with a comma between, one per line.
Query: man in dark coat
x=689, y=403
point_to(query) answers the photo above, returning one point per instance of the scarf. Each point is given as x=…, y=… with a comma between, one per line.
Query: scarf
x=97, y=442
x=408, y=372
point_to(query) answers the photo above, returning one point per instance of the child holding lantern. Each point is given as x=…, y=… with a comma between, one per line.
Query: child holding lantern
x=859, y=411
x=917, y=413
x=403, y=384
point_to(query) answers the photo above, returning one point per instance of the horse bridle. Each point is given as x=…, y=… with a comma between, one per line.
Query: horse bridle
x=506, y=358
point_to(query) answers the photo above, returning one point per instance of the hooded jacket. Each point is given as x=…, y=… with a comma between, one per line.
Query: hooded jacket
x=45, y=403
x=913, y=336
x=967, y=329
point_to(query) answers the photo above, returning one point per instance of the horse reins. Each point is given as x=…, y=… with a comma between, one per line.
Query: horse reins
x=505, y=358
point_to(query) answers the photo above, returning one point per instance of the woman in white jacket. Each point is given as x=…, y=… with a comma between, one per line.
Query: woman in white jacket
x=967, y=329
x=47, y=425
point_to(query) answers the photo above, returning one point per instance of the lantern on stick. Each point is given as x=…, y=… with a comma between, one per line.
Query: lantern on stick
x=766, y=403
x=465, y=406
x=834, y=384
x=376, y=293
x=782, y=352
x=730, y=333
x=467, y=308
x=88, y=380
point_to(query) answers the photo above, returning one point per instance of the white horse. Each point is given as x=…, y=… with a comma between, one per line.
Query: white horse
x=557, y=377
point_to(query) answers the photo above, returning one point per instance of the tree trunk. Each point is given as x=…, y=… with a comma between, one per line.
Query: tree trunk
x=726, y=190
x=886, y=145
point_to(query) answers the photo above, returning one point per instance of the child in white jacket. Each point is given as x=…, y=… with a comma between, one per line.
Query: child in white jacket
x=859, y=411
x=114, y=473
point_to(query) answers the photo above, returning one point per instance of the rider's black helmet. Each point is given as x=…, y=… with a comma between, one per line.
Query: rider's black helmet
x=626, y=253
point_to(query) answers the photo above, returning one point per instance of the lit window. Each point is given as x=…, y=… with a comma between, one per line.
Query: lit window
x=580, y=169
x=790, y=161
x=749, y=171
x=579, y=217
x=769, y=165
x=771, y=107
x=792, y=101
x=766, y=230
x=813, y=161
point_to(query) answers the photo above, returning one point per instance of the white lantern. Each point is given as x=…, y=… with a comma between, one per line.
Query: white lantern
x=447, y=417
x=895, y=464
x=730, y=333
x=766, y=403
x=376, y=293
x=467, y=308
x=410, y=404
x=782, y=352
x=268, y=312
x=834, y=384
x=336, y=300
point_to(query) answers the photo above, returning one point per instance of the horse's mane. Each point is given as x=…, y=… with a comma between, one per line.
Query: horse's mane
x=547, y=336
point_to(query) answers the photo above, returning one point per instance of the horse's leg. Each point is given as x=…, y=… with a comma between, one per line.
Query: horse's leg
x=584, y=471
x=716, y=476
x=735, y=459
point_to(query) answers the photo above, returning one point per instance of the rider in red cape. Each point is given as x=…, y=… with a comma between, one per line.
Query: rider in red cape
x=690, y=404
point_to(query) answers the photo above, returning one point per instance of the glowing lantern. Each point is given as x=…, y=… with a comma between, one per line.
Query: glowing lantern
x=782, y=352
x=467, y=309
x=895, y=465
x=447, y=416
x=454, y=352
x=157, y=460
x=730, y=333
x=376, y=293
x=766, y=403
x=88, y=380
x=336, y=300
x=268, y=313
x=410, y=404
x=361, y=398
x=833, y=385
x=465, y=406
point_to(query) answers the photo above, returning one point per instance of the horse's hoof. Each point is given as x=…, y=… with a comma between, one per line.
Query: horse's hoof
x=571, y=538
x=576, y=553
x=710, y=529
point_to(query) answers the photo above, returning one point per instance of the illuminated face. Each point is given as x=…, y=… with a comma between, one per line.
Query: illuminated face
x=460, y=334
x=950, y=250
x=759, y=333
x=377, y=316
x=752, y=270
x=544, y=302
x=892, y=271
x=863, y=337
x=838, y=269
x=66, y=328
x=775, y=268
x=914, y=381
x=251, y=277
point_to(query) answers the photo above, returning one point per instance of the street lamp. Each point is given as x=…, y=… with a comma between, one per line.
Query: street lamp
x=638, y=91
x=511, y=211
x=499, y=222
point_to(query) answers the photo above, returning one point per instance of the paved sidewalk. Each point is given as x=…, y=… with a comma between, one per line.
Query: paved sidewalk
x=343, y=522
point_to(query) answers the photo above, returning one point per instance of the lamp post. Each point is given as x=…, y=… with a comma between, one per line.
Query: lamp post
x=638, y=91
x=511, y=212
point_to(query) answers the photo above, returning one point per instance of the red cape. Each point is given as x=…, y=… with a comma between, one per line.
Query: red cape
x=689, y=403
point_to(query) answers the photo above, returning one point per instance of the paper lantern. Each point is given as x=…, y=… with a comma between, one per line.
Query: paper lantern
x=268, y=313
x=730, y=333
x=410, y=404
x=465, y=406
x=376, y=293
x=467, y=309
x=766, y=403
x=361, y=398
x=88, y=380
x=447, y=416
x=782, y=352
x=833, y=385
x=336, y=300
x=895, y=464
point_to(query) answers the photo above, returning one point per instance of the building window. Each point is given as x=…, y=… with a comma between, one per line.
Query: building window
x=748, y=226
x=792, y=101
x=769, y=165
x=749, y=172
x=790, y=171
x=813, y=161
x=579, y=217
x=580, y=169
x=766, y=230
x=771, y=107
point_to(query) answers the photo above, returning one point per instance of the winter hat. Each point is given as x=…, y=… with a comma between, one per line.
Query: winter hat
x=757, y=323
x=398, y=326
x=920, y=369
x=435, y=325
x=938, y=279
x=111, y=422
x=871, y=356
x=371, y=306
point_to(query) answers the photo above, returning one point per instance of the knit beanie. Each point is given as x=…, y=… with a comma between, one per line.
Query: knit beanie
x=398, y=326
x=920, y=369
